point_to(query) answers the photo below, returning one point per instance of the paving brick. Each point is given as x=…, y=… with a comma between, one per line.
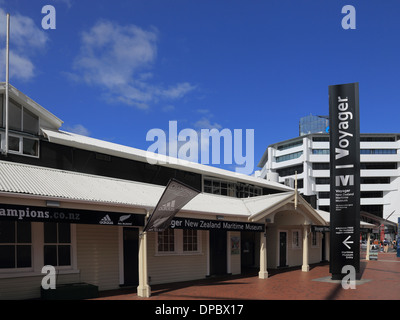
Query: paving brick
x=383, y=283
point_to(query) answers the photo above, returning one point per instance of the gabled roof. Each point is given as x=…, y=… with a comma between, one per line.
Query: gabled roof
x=264, y=207
x=47, y=118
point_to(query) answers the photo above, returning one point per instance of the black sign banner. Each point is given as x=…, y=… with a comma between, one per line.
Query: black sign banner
x=345, y=178
x=320, y=228
x=63, y=215
x=203, y=224
x=175, y=196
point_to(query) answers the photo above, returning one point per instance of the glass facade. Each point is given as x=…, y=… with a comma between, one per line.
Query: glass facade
x=231, y=189
x=313, y=124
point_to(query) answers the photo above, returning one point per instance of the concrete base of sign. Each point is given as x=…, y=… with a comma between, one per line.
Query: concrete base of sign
x=263, y=275
x=329, y=279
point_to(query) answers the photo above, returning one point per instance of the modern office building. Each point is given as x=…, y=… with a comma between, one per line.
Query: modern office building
x=308, y=157
x=313, y=124
x=80, y=204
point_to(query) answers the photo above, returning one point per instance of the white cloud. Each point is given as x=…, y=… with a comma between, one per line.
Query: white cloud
x=119, y=59
x=78, y=129
x=205, y=123
x=68, y=3
x=26, y=40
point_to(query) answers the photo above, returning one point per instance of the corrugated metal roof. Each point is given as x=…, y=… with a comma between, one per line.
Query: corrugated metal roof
x=32, y=180
x=25, y=179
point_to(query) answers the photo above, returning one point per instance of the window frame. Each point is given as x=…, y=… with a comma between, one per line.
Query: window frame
x=314, y=239
x=58, y=244
x=16, y=244
x=21, y=138
x=37, y=233
x=299, y=238
x=179, y=244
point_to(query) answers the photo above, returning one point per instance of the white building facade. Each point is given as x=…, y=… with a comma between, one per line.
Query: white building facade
x=308, y=156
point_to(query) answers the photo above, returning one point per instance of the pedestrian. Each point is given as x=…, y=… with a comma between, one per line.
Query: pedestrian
x=385, y=246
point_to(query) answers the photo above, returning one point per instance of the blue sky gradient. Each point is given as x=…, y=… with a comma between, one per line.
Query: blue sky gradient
x=114, y=70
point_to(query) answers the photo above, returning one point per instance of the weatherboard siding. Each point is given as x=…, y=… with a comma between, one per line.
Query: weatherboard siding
x=22, y=287
x=176, y=267
x=98, y=255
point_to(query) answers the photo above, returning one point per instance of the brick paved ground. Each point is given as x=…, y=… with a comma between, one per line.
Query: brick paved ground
x=380, y=281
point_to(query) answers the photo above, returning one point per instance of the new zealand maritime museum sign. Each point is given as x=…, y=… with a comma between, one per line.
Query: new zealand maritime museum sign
x=345, y=178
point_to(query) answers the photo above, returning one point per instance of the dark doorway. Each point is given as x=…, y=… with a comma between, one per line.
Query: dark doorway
x=323, y=258
x=282, y=248
x=247, y=256
x=218, y=251
x=131, y=260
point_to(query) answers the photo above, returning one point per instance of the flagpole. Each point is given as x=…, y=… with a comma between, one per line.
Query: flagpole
x=7, y=79
x=295, y=192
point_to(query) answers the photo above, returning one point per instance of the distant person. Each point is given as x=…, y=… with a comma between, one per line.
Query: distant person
x=385, y=246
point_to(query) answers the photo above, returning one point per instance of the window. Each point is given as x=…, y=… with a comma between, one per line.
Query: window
x=290, y=156
x=189, y=240
x=371, y=194
x=21, y=119
x=324, y=195
x=290, y=145
x=178, y=242
x=375, y=180
x=320, y=166
x=378, y=165
x=30, y=122
x=377, y=139
x=166, y=241
x=57, y=244
x=231, y=189
x=23, y=145
x=296, y=239
x=314, y=239
x=320, y=139
x=322, y=180
x=289, y=171
x=378, y=151
x=320, y=151
x=15, y=116
x=15, y=245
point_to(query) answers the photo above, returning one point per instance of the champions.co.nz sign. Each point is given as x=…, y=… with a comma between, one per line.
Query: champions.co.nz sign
x=62, y=215
x=47, y=214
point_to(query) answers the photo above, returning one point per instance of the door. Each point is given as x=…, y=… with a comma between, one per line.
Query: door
x=282, y=248
x=323, y=247
x=218, y=251
x=131, y=256
x=247, y=256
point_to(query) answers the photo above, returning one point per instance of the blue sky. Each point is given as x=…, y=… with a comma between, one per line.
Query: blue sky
x=114, y=70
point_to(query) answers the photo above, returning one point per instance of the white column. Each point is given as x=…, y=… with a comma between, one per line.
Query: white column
x=305, y=267
x=263, y=273
x=368, y=245
x=143, y=290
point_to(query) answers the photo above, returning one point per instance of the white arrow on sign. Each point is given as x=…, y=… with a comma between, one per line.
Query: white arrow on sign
x=346, y=242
